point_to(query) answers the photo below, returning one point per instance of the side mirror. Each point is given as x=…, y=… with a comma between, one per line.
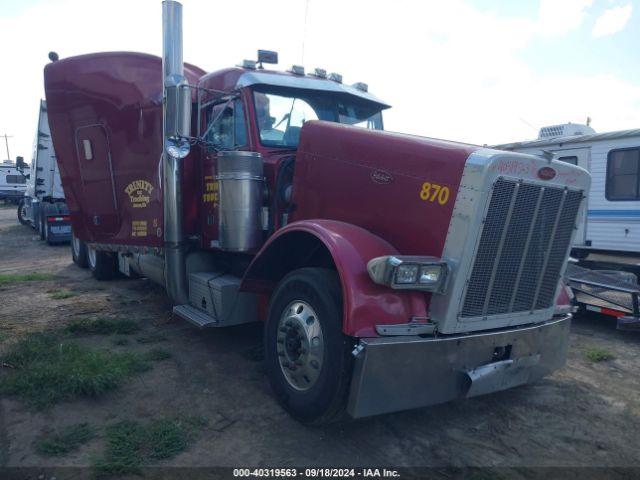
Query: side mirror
x=20, y=165
x=177, y=120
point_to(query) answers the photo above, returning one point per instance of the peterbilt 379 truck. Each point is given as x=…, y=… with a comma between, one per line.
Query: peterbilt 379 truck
x=390, y=271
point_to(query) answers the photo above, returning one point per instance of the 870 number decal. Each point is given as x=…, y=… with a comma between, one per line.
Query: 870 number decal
x=432, y=192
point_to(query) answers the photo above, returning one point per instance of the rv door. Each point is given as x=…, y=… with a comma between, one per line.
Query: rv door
x=579, y=157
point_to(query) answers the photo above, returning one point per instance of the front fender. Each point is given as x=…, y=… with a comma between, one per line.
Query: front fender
x=365, y=304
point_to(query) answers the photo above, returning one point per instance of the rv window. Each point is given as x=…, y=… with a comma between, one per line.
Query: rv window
x=16, y=179
x=623, y=175
x=573, y=160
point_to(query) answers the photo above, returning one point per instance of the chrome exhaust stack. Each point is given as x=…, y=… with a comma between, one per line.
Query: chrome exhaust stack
x=176, y=131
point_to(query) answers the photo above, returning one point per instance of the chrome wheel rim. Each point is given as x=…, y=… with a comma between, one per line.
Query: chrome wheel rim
x=91, y=255
x=300, y=345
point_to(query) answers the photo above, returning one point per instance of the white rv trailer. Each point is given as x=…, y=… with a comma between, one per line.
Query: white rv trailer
x=610, y=229
x=12, y=182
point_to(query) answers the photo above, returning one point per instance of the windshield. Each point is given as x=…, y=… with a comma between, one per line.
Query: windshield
x=281, y=113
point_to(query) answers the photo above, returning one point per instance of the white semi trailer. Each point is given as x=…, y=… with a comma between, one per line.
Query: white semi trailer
x=43, y=205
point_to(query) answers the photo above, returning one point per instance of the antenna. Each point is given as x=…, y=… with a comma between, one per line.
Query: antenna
x=304, y=33
x=6, y=142
x=527, y=123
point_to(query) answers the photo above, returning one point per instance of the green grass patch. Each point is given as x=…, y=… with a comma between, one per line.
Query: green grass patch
x=7, y=278
x=3, y=336
x=102, y=326
x=65, y=440
x=62, y=294
x=49, y=368
x=597, y=355
x=130, y=445
x=152, y=338
x=156, y=355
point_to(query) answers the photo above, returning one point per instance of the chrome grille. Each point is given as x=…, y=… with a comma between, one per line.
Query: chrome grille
x=522, y=248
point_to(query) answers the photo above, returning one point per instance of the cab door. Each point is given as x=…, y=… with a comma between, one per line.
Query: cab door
x=100, y=205
x=581, y=158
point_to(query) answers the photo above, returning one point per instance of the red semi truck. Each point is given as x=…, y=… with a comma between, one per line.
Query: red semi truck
x=391, y=271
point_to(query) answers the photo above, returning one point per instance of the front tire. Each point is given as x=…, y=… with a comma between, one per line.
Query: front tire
x=308, y=358
x=103, y=265
x=79, y=252
x=22, y=212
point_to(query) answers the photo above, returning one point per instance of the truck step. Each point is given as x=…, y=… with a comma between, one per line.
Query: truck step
x=195, y=315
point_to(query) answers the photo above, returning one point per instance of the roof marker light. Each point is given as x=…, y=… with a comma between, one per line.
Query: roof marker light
x=361, y=86
x=296, y=70
x=319, y=72
x=336, y=77
x=249, y=64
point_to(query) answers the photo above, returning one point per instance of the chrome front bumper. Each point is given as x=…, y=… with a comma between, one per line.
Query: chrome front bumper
x=400, y=373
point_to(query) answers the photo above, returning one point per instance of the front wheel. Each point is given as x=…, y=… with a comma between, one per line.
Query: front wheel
x=22, y=212
x=308, y=358
x=103, y=265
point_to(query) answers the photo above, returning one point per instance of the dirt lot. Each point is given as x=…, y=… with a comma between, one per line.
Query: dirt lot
x=587, y=414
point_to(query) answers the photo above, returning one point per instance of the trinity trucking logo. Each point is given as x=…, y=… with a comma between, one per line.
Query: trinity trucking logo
x=139, y=192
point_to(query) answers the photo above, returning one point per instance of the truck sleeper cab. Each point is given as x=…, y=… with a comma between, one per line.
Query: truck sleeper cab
x=391, y=271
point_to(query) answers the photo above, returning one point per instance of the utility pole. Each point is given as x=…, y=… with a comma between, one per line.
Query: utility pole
x=6, y=142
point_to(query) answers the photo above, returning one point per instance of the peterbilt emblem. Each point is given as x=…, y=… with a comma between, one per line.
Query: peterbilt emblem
x=382, y=177
x=546, y=173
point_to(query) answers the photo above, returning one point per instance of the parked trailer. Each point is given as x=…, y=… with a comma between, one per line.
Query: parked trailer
x=609, y=231
x=43, y=206
x=391, y=271
x=12, y=182
x=614, y=294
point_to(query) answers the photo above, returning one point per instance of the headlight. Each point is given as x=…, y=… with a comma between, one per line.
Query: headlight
x=417, y=273
x=406, y=274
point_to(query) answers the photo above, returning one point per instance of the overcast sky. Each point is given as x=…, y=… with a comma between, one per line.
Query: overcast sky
x=478, y=71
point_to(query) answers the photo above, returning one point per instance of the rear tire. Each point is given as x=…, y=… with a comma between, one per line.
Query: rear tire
x=103, y=265
x=308, y=358
x=42, y=224
x=47, y=238
x=22, y=212
x=79, y=252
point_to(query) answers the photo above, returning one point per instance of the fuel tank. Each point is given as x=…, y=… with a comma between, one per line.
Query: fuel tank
x=105, y=114
x=399, y=187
